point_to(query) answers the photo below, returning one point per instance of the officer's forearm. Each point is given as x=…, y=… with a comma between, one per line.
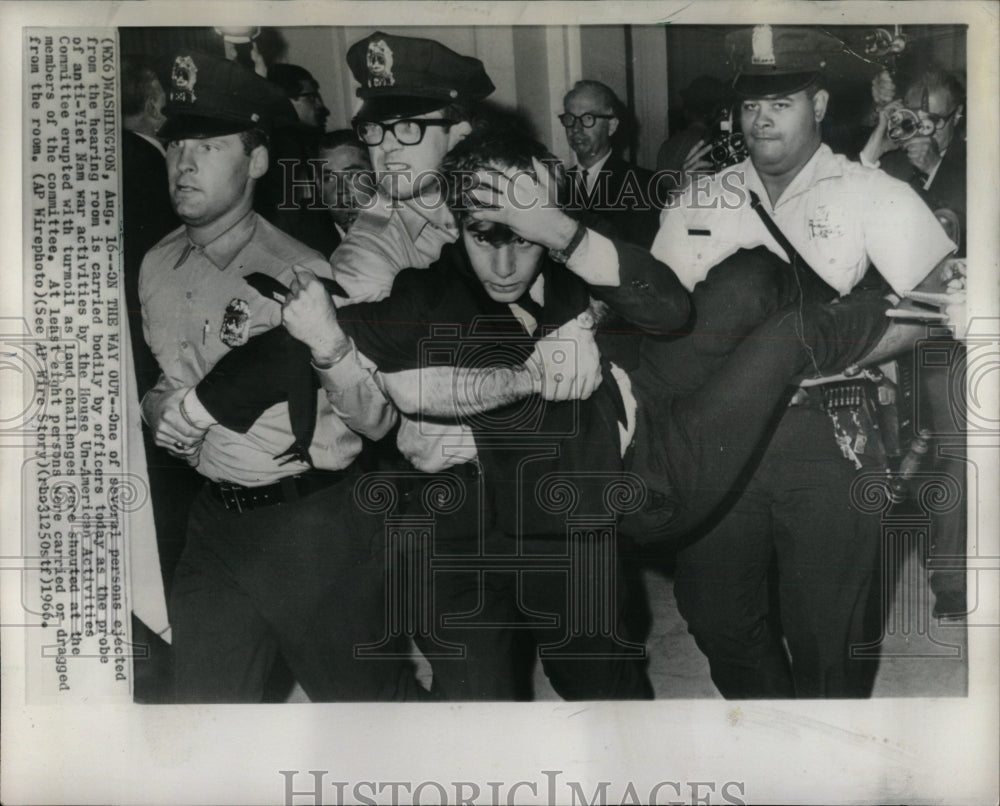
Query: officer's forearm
x=451, y=393
x=351, y=387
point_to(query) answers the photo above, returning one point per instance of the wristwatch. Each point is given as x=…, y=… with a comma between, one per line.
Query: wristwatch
x=563, y=255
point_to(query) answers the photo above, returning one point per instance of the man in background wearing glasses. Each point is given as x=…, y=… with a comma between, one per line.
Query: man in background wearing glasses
x=934, y=163
x=602, y=183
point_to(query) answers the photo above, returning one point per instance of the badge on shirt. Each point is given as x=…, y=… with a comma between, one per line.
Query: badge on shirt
x=235, y=328
x=827, y=222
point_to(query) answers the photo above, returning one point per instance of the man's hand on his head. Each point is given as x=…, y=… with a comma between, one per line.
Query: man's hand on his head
x=525, y=203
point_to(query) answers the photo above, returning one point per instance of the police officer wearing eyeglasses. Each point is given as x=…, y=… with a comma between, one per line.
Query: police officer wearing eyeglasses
x=418, y=99
x=602, y=183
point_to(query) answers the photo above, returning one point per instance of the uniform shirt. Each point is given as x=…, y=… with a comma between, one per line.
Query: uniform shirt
x=196, y=307
x=386, y=238
x=838, y=214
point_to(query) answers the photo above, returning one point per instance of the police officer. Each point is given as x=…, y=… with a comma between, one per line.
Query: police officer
x=840, y=218
x=277, y=559
x=419, y=101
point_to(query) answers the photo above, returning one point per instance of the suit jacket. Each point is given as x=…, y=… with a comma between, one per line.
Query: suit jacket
x=624, y=197
x=947, y=191
x=147, y=216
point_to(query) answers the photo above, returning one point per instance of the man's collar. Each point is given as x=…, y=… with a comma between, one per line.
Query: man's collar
x=597, y=166
x=429, y=209
x=223, y=248
x=821, y=165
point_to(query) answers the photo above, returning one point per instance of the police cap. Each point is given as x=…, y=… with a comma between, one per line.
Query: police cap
x=778, y=60
x=208, y=96
x=402, y=76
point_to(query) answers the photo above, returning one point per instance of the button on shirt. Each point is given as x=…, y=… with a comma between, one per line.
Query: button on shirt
x=839, y=215
x=193, y=297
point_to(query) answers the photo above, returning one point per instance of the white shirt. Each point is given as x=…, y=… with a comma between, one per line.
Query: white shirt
x=838, y=214
x=594, y=170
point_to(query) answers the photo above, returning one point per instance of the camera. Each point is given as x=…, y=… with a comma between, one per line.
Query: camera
x=728, y=146
x=905, y=124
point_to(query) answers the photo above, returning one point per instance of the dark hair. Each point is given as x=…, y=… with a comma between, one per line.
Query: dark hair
x=289, y=77
x=493, y=150
x=139, y=83
x=340, y=137
x=251, y=138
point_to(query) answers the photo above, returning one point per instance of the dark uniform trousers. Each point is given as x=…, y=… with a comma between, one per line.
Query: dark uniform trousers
x=707, y=400
x=305, y=578
x=796, y=507
x=499, y=618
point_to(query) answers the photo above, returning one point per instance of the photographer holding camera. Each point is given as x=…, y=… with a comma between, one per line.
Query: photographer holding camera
x=707, y=143
x=920, y=140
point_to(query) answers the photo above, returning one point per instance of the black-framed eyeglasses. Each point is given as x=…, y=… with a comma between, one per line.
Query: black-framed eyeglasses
x=587, y=119
x=407, y=131
x=940, y=121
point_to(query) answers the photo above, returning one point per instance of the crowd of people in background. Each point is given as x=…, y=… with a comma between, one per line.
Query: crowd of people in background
x=425, y=317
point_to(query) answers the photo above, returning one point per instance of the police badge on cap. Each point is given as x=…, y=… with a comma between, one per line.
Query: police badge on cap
x=778, y=60
x=401, y=76
x=208, y=96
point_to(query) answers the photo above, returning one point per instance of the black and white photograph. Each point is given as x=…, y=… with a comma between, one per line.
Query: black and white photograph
x=347, y=457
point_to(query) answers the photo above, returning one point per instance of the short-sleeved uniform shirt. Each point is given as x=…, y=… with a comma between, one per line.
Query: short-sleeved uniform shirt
x=196, y=307
x=388, y=237
x=838, y=214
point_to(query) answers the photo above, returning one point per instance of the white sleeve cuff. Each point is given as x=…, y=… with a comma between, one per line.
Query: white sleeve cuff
x=595, y=261
x=195, y=411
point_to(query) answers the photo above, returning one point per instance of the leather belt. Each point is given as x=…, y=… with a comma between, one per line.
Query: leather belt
x=236, y=497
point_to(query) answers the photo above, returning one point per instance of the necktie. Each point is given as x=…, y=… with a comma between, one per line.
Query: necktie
x=918, y=180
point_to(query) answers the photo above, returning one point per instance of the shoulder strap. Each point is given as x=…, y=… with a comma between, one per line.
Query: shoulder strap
x=801, y=268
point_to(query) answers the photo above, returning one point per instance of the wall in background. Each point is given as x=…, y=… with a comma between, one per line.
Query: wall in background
x=531, y=66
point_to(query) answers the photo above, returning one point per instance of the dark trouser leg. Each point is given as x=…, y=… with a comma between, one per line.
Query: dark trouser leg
x=828, y=558
x=692, y=449
x=798, y=502
x=721, y=587
x=307, y=577
x=735, y=297
x=485, y=604
x=222, y=648
x=587, y=656
x=942, y=409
